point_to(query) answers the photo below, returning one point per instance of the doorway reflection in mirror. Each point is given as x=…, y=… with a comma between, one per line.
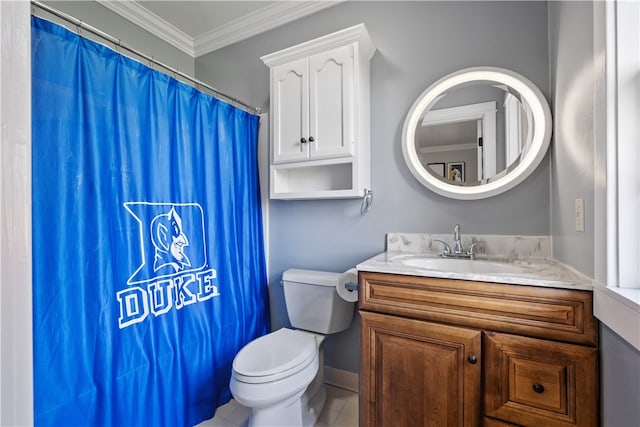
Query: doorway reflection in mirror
x=484, y=125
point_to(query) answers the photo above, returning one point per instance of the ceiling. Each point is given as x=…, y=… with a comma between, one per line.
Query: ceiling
x=200, y=27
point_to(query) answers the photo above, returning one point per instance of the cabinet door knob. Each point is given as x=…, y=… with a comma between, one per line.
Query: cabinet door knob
x=472, y=359
x=538, y=388
x=303, y=140
x=311, y=139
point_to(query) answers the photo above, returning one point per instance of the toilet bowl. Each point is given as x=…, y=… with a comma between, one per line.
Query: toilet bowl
x=272, y=375
x=280, y=376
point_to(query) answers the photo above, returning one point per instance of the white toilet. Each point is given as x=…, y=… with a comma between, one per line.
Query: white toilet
x=280, y=376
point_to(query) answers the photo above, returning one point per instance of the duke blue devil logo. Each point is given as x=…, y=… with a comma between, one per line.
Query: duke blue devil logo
x=170, y=242
x=172, y=270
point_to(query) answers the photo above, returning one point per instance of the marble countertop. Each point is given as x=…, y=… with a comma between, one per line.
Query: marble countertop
x=536, y=272
x=521, y=268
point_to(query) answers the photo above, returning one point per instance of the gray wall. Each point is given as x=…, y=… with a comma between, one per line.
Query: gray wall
x=417, y=42
x=576, y=61
x=619, y=381
x=572, y=165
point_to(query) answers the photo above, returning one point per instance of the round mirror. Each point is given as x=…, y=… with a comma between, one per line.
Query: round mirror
x=476, y=133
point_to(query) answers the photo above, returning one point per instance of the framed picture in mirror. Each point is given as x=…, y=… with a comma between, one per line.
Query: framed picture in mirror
x=437, y=168
x=455, y=171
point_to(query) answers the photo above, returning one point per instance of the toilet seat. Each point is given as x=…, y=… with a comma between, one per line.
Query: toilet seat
x=275, y=356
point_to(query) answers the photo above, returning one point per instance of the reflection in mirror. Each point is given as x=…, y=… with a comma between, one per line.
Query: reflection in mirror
x=483, y=126
x=476, y=133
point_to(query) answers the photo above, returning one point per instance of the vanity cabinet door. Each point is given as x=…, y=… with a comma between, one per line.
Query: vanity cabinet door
x=417, y=373
x=534, y=382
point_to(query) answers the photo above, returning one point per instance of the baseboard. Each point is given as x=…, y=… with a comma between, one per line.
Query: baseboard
x=341, y=378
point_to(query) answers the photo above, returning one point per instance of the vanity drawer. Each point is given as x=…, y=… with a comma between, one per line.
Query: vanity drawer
x=533, y=382
x=549, y=313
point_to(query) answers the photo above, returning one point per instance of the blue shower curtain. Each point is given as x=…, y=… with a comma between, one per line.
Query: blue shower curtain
x=148, y=262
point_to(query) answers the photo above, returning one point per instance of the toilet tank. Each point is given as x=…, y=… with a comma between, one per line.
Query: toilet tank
x=313, y=303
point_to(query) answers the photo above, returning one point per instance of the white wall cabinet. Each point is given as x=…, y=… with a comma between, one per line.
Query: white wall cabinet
x=313, y=98
x=320, y=117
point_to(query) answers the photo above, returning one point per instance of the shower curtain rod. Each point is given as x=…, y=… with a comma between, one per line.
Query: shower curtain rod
x=120, y=46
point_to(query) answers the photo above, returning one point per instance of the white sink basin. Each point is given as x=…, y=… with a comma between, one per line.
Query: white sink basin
x=454, y=265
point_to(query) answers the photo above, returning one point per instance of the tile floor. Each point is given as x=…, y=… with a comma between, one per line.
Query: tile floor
x=340, y=410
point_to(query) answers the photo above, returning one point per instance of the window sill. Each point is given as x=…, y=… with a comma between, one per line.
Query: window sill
x=619, y=309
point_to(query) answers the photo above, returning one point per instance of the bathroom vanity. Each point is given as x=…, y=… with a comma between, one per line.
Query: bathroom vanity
x=478, y=330
x=511, y=343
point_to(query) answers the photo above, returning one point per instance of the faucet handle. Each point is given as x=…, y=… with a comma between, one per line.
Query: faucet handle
x=447, y=249
x=471, y=249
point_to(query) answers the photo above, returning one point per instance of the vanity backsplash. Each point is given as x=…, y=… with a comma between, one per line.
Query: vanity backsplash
x=490, y=246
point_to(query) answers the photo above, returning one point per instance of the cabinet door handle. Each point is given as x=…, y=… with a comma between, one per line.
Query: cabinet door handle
x=472, y=359
x=538, y=388
x=303, y=140
x=311, y=139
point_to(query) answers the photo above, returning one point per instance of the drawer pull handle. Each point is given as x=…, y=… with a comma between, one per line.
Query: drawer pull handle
x=303, y=140
x=538, y=388
x=472, y=359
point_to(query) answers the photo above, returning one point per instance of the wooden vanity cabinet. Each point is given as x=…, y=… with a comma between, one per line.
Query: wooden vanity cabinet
x=442, y=352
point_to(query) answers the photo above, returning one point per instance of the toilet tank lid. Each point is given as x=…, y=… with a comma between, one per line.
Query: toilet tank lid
x=313, y=277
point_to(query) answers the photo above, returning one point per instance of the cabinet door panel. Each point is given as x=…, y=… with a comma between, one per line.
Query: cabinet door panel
x=290, y=93
x=533, y=382
x=418, y=373
x=331, y=103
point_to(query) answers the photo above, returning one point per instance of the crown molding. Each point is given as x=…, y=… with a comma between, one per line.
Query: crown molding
x=147, y=20
x=264, y=19
x=355, y=34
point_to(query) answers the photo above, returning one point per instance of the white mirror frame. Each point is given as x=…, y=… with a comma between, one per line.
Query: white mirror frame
x=529, y=162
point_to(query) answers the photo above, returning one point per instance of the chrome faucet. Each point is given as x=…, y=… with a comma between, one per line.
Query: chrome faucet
x=457, y=244
x=458, y=250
